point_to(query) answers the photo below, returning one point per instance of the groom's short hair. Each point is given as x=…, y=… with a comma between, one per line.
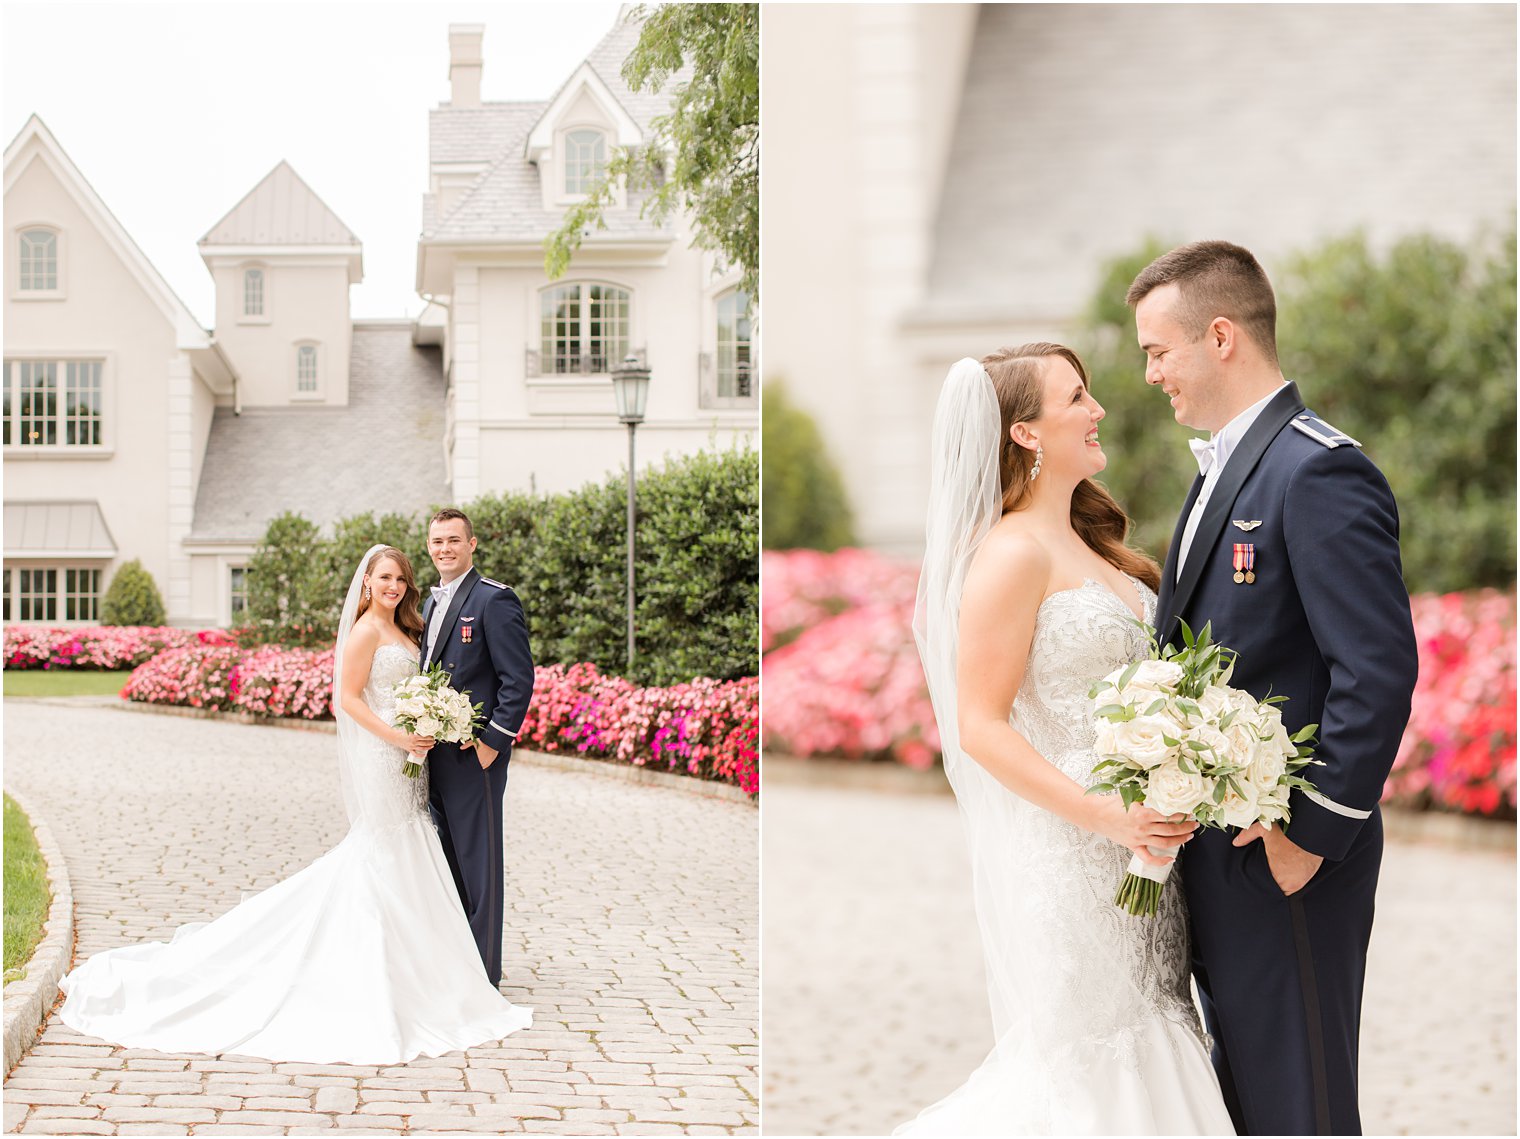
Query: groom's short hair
x=448, y=514
x=1214, y=279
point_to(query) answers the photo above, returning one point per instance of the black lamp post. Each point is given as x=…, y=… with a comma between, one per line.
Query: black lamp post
x=630, y=386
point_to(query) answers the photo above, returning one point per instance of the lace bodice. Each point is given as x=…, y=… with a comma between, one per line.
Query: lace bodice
x=1080, y=635
x=385, y=795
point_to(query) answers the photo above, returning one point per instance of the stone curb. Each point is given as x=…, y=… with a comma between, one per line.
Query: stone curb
x=625, y=771
x=28, y=1000
x=1399, y=823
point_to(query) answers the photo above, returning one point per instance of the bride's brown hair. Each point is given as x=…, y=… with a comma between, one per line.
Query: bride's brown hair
x=408, y=613
x=1018, y=379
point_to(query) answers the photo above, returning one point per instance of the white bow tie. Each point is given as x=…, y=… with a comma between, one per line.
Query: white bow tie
x=440, y=591
x=1203, y=451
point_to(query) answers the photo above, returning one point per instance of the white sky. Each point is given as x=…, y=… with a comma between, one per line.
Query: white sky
x=174, y=111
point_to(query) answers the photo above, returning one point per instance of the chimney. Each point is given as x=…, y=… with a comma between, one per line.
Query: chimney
x=464, y=64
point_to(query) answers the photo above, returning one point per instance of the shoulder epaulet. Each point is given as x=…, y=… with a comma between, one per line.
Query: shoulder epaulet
x=493, y=581
x=1321, y=432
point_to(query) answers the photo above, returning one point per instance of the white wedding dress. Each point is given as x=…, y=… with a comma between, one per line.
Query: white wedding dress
x=1096, y=1028
x=363, y=957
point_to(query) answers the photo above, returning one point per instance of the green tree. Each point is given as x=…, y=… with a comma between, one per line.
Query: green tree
x=290, y=585
x=805, y=504
x=712, y=134
x=133, y=598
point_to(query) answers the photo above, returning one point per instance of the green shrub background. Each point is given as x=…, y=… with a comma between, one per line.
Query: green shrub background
x=696, y=572
x=132, y=598
x=805, y=503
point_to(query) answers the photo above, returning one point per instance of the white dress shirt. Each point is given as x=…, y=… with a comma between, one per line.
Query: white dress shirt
x=1212, y=458
x=443, y=597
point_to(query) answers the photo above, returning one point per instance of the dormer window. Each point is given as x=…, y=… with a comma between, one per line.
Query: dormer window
x=253, y=292
x=307, y=375
x=585, y=161
x=39, y=260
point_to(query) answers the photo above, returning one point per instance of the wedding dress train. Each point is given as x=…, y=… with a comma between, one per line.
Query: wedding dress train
x=1096, y=1031
x=363, y=957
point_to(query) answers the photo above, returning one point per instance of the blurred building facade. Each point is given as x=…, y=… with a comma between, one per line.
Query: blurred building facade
x=941, y=180
x=131, y=432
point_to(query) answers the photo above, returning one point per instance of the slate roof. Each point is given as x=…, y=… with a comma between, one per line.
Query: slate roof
x=506, y=202
x=381, y=453
x=281, y=210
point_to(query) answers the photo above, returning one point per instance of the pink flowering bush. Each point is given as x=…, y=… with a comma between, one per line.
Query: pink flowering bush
x=842, y=679
x=276, y=681
x=198, y=677
x=707, y=728
x=103, y=647
x=852, y=687
x=1459, y=750
x=803, y=588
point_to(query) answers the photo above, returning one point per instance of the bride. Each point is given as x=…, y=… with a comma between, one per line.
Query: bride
x=1028, y=594
x=363, y=957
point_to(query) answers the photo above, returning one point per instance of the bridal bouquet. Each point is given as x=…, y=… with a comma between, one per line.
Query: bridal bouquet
x=1174, y=736
x=427, y=706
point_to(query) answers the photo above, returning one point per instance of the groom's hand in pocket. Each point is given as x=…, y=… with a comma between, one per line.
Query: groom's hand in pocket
x=486, y=754
x=1291, y=865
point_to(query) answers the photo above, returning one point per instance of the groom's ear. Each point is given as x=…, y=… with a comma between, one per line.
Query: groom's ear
x=1222, y=335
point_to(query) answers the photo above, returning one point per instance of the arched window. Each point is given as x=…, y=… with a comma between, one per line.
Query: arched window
x=585, y=328
x=38, y=259
x=306, y=369
x=585, y=161
x=253, y=292
x=735, y=378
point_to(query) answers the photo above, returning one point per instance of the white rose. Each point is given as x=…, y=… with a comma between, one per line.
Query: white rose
x=1242, y=739
x=1158, y=676
x=428, y=726
x=1172, y=790
x=1267, y=766
x=1280, y=741
x=1239, y=810
x=1140, y=740
x=1214, y=703
x=1273, y=807
x=1210, y=737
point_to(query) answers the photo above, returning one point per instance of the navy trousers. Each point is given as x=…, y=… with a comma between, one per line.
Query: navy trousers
x=1281, y=980
x=466, y=807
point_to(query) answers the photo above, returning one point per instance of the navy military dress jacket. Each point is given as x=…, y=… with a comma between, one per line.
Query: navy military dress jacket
x=1324, y=621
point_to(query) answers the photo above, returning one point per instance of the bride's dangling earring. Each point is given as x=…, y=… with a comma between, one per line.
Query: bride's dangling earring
x=1039, y=457
x=366, y=593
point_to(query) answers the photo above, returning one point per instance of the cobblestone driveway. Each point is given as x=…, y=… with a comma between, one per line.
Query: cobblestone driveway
x=631, y=930
x=875, y=996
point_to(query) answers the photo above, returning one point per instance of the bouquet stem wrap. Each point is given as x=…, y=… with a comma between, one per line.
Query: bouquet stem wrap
x=1140, y=892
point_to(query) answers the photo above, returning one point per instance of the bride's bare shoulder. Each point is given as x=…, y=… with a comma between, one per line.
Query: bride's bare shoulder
x=1012, y=565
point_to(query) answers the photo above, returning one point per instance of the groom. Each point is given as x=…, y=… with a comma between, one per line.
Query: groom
x=475, y=628
x=1289, y=544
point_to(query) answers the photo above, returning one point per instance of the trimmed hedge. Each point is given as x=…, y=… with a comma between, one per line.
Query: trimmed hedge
x=132, y=598
x=696, y=574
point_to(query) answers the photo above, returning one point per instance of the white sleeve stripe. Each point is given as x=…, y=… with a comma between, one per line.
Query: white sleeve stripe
x=507, y=731
x=1331, y=805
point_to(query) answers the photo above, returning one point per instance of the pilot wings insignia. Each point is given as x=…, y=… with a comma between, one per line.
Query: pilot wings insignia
x=1246, y=526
